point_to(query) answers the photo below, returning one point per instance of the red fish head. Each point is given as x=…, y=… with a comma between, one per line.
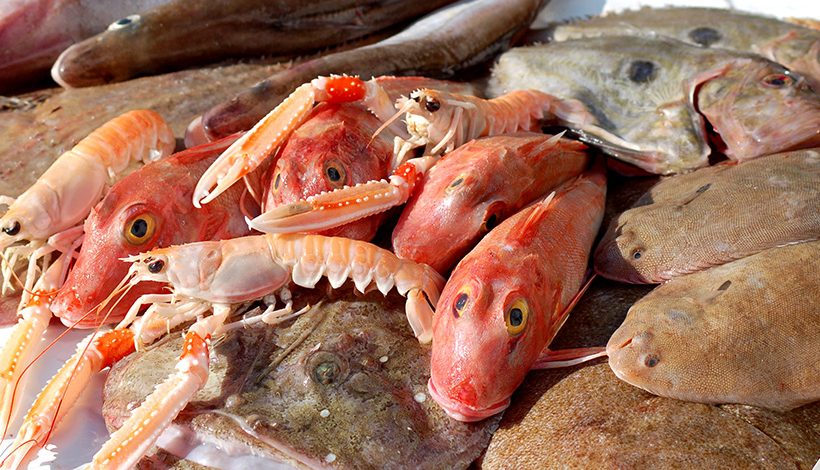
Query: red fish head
x=136, y=216
x=454, y=214
x=487, y=333
x=760, y=108
x=334, y=148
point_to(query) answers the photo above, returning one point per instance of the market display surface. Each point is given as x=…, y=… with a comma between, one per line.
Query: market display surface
x=367, y=258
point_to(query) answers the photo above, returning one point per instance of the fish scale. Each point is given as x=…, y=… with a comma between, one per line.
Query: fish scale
x=679, y=227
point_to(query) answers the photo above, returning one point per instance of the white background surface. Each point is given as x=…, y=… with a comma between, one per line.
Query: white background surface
x=83, y=431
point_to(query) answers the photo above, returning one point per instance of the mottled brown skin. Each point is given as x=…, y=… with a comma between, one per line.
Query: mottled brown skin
x=586, y=418
x=744, y=332
x=31, y=139
x=374, y=419
x=186, y=33
x=438, y=45
x=652, y=99
x=712, y=216
x=792, y=45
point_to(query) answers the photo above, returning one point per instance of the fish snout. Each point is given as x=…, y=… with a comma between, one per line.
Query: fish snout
x=610, y=263
x=461, y=404
x=632, y=354
x=68, y=306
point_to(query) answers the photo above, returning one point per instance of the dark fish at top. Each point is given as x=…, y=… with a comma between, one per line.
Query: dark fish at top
x=350, y=394
x=654, y=98
x=34, y=32
x=712, y=216
x=185, y=33
x=438, y=45
x=794, y=46
x=745, y=332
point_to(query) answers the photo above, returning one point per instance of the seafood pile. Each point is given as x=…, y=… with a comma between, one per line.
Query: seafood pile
x=229, y=256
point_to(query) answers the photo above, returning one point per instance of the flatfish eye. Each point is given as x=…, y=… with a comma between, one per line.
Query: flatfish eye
x=124, y=22
x=705, y=36
x=12, y=229
x=326, y=368
x=777, y=80
x=641, y=71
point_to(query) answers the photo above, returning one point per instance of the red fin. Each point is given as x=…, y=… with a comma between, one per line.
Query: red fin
x=535, y=217
x=567, y=357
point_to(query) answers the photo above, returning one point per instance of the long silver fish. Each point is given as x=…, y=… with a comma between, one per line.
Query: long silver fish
x=794, y=46
x=745, y=332
x=183, y=33
x=438, y=45
x=654, y=98
x=350, y=392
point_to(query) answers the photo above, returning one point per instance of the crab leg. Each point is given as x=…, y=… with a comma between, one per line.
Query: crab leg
x=347, y=204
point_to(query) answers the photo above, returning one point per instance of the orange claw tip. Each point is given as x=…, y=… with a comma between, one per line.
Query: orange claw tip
x=341, y=88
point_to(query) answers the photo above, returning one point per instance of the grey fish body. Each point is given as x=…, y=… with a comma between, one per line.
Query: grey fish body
x=792, y=45
x=690, y=222
x=183, y=33
x=653, y=98
x=744, y=332
x=438, y=45
x=586, y=418
x=351, y=393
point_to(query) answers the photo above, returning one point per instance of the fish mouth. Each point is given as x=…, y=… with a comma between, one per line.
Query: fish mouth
x=462, y=412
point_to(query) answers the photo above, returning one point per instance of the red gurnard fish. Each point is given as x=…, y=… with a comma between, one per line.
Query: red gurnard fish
x=476, y=187
x=506, y=300
x=336, y=147
x=150, y=208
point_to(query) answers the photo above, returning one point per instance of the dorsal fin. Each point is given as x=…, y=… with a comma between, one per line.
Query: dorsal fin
x=538, y=213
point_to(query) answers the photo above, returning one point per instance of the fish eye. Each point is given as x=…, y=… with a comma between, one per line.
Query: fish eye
x=460, y=303
x=651, y=360
x=335, y=174
x=277, y=181
x=777, y=80
x=636, y=254
x=156, y=266
x=12, y=229
x=326, y=368
x=641, y=71
x=705, y=36
x=455, y=184
x=431, y=104
x=516, y=317
x=140, y=229
x=490, y=222
x=124, y=22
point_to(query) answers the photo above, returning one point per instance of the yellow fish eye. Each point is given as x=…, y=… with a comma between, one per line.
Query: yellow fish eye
x=460, y=303
x=140, y=229
x=516, y=317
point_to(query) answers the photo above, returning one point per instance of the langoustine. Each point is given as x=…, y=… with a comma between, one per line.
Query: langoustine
x=216, y=276
x=43, y=225
x=507, y=298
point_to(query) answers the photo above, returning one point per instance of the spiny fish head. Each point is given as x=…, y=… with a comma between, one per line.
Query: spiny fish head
x=334, y=148
x=487, y=333
x=759, y=108
x=456, y=207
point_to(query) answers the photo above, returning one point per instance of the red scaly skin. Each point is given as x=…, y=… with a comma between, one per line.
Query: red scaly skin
x=161, y=190
x=476, y=187
x=535, y=262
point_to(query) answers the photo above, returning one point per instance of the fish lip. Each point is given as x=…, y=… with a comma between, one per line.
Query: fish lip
x=462, y=412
